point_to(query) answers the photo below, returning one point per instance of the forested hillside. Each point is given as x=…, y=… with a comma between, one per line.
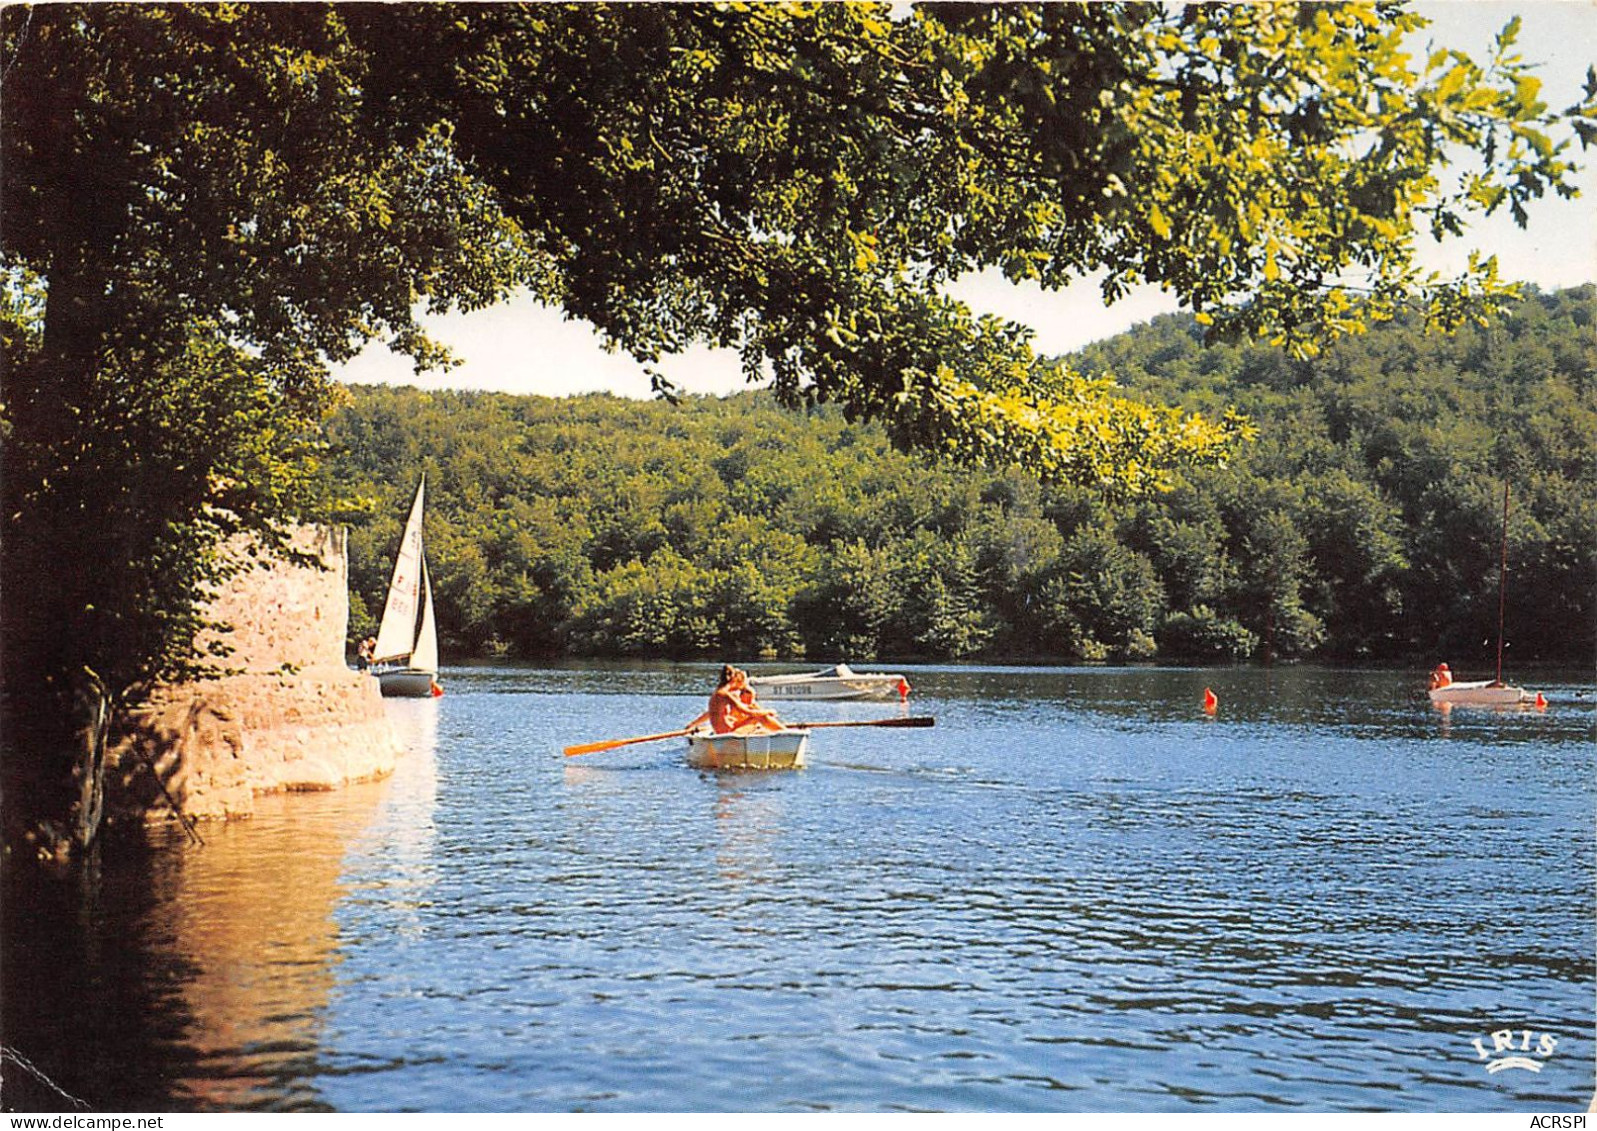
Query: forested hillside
x=1362, y=524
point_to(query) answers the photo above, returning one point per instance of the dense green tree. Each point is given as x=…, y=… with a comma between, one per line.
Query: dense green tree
x=940, y=612
x=1102, y=598
x=1203, y=635
x=656, y=607
x=1015, y=552
x=194, y=194
x=846, y=609
x=1270, y=592
x=1342, y=533
x=1189, y=552
x=1396, y=446
x=1354, y=588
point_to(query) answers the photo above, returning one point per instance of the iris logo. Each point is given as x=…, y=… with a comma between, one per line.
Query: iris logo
x=1515, y=1048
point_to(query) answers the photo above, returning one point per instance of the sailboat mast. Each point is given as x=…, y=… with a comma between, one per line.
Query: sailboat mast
x=1502, y=584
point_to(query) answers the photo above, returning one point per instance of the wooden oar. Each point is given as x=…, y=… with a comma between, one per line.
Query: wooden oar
x=910, y=721
x=595, y=747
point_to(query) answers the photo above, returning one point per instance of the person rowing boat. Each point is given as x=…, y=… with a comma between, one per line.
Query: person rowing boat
x=736, y=719
x=733, y=708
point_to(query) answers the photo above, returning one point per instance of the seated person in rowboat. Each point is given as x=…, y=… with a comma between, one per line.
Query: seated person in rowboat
x=1441, y=677
x=732, y=707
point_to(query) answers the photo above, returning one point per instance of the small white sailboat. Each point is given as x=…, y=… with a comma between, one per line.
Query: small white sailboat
x=405, y=658
x=1488, y=692
x=1481, y=693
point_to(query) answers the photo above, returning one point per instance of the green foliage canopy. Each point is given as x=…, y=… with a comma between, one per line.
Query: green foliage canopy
x=797, y=182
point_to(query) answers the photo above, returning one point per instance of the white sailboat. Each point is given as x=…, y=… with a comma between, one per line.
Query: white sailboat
x=405, y=658
x=1489, y=692
x=1481, y=693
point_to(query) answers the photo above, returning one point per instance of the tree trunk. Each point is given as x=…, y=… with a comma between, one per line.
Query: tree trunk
x=54, y=780
x=55, y=709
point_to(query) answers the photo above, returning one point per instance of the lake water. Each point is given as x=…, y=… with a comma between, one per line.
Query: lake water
x=1076, y=892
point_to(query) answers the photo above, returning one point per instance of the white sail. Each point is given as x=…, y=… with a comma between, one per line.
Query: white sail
x=396, y=637
x=425, y=657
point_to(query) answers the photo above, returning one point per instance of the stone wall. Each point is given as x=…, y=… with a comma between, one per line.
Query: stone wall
x=293, y=717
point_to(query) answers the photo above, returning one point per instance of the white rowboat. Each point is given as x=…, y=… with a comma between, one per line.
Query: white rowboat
x=840, y=682
x=769, y=750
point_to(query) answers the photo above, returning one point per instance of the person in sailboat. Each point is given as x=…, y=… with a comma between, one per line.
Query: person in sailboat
x=733, y=709
x=1441, y=676
x=366, y=651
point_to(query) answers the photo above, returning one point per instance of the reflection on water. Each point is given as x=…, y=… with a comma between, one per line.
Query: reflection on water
x=1076, y=892
x=250, y=920
x=206, y=986
x=394, y=855
x=749, y=816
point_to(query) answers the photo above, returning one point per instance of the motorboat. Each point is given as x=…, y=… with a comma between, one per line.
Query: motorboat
x=839, y=682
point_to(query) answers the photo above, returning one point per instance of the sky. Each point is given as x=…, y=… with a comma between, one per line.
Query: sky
x=520, y=346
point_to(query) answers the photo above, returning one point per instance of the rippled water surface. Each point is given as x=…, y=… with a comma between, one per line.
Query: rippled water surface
x=1076, y=892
